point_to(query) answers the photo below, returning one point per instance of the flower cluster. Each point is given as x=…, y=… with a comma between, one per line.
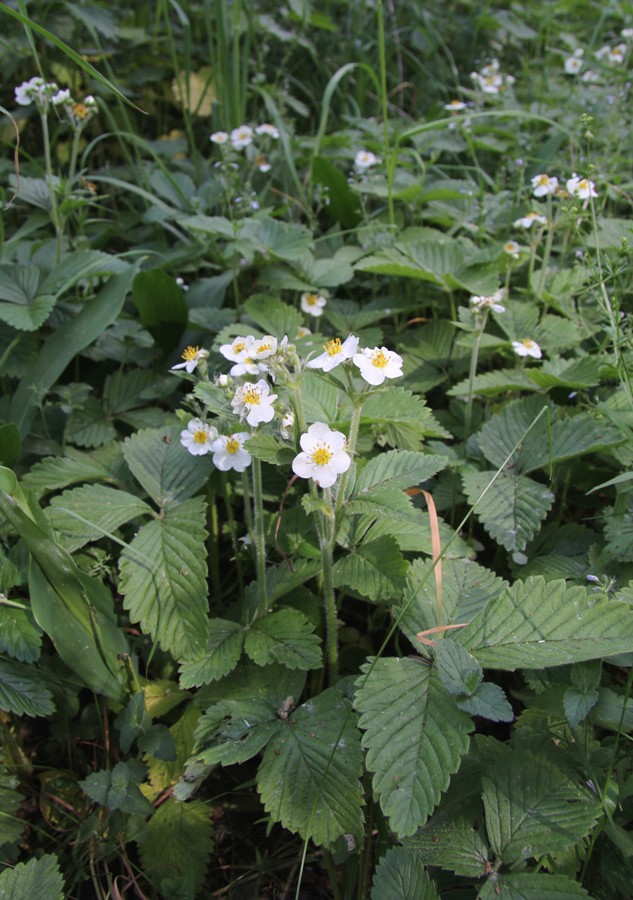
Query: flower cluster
x=490, y=80
x=44, y=93
x=479, y=304
x=243, y=136
x=544, y=185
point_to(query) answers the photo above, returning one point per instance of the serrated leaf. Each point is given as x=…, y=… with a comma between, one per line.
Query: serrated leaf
x=22, y=690
x=163, y=774
x=309, y=778
x=117, y=788
x=89, y=425
x=380, y=502
x=397, y=469
x=177, y=843
x=163, y=579
x=452, y=844
x=490, y=384
x=38, y=879
x=168, y=472
x=223, y=651
x=158, y=743
x=400, y=874
x=577, y=375
x=269, y=449
x=273, y=316
x=286, y=637
x=11, y=824
x=55, y=473
x=531, y=886
x=512, y=508
x=320, y=398
x=535, y=624
x=533, y=808
x=133, y=721
x=488, y=701
x=398, y=415
x=235, y=730
x=18, y=636
x=22, y=305
x=578, y=704
x=459, y=672
x=376, y=569
x=283, y=240
x=85, y=514
x=414, y=735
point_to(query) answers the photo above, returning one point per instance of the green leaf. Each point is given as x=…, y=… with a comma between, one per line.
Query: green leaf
x=414, y=737
x=18, y=637
x=281, y=240
x=536, y=624
x=10, y=444
x=269, y=449
x=397, y=417
x=577, y=375
x=22, y=690
x=89, y=425
x=161, y=306
x=376, y=569
x=83, y=515
x=273, y=316
x=459, y=672
x=168, y=472
x=309, y=778
x=164, y=773
x=235, y=730
x=343, y=205
x=133, y=721
x=488, y=701
x=118, y=788
x=286, y=637
x=163, y=579
x=55, y=473
x=397, y=469
x=22, y=306
x=320, y=398
x=158, y=743
x=453, y=843
x=531, y=886
x=38, y=879
x=578, y=704
x=177, y=843
x=400, y=874
x=11, y=824
x=491, y=384
x=223, y=651
x=512, y=508
x=533, y=808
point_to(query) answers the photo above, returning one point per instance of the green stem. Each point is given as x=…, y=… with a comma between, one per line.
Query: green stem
x=259, y=536
x=383, y=98
x=51, y=187
x=213, y=525
x=352, y=440
x=474, y=356
x=327, y=533
x=230, y=518
x=548, y=250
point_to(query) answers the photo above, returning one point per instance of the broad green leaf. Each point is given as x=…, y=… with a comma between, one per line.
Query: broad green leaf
x=320, y=398
x=18, y=637
x=22, y=690
x=578, y=374
x=309, y=778
x=176, y=844
x=409, y=525
x=397, y=469
x=10, y=445
x=133, y=721
x=281, y=240
x=415, y=738
x=453, y=843
x=37, y=879
x=158, y=743
x=235, y=730
x=531, y=886
x=269, y=449
x=11, y=824
x=512, y=508
x=459, y=672
x=533, y=808
x=491, y=384
x=86, y=514
x=285, y=636
x=118, y=788
x=220, y=657
x=397, y=416
x=163, y=579
x=578, y=704
x=89, y=425
x=400, y=874
x=380, y=503
x=82, y=264
x=273, y=316
x=216, y=225
x=22, y=305
x=375, y=568
x=161, y=306
x=168, y=472
x=163, y=774
x=536, y=624
x=55, y=473
x=343, y=203
x=488, y=701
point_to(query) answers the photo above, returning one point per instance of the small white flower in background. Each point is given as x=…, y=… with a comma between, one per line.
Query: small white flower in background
x=303, y=332
x=512, y=249
x=627, y=34
x=542, y=185
x=478, y=304
x=574, y=63
x=239, y=349
x=198, y=437
x=229, y=453
x=527, y=347
x=364, y=160
x=268, y=130
x=241, y=137
x=377, y=364
x=287, y=425
x=61, y=97
x=323, y=457
x=219, y=138
x=581, y=187
x=192, y=356
x=590, y=77
x=334, y=353
x=455, y=106
x=35, y=90
x=262, y=163
x=223, y=381
x=613, y=55
x=313, y=304
x=254, y=402
x=530, y=219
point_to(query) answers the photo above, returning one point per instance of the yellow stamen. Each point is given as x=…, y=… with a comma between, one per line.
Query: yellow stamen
x=321, y=455
x=190, y=353
x=232, y=445
x=263, y=347
x=200, y=437
x=81, y=110
x=380, y=360
x=527, y=343
x=543, y=179
x=333, y=347
x=239, y=346
x=311, y=299
x=251, y=395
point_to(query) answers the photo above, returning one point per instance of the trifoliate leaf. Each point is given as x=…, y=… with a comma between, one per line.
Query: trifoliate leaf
x=117, y=788
x=376, y=569
x=38, y=879
x=414, y=736
x=286, y=637
x=53, y=473
x=400, y=874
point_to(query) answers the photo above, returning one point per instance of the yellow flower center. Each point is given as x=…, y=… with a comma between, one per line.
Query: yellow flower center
x=190, y=353
x=232, y=445
x=239, y=346
x=251, y=395
x=200, y=437
x=311, y=299
x=264, y=347
x=527, y=343
x=321, y=455
x=380, y=360
x=543, y=179
x=583, y=185
x=333, y=347
x=81, y=110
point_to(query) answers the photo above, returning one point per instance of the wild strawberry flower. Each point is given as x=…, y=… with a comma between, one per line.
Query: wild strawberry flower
x=323, y=457
x=262, y=163
x=530, y=219
x=302, y=332
x=219, y=138
x=241, y=137
x=543, y=185
x=61, y=97
x=364, y=160
x=581, y=187
x=229, y=453
x=573, y=64
x=287, y=425
x=478, y=304
x=198, y=437
x=512, y=249
x=613, y=55
x=192, y=356
x=268, y=130
x=35, y=90
x=334, y=353
x=377, y=364
x=85, y=110
x=455, y=106
x=241, y=347
x=254, y=402
x=527, y=347
x=313, y=304
x=490, y=80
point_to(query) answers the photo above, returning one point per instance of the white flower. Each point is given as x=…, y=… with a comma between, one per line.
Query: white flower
x=262, y=163
x=229, y=453
x=334, y=353
x=223, y=381
x=364, y=160
x=478, y=304
x=573, y=64
x=241, y=137
x=530, y=219
x=268, y=130
x=192, y=356
x=581, y=187
x=313, y=304
x=182, y=284
x=198, y=437
x=61, y=97
x=239, y=349
x=287, y=425
x=542, y=185
x=303, y=332
x=377, y=364
x=323, y=458
x=219, y=137
x=33, y=90
x=264, y=347
x=455, y=106
x=254, y=402
x=527, y=347
x=590, y=77
x=627, y=34
x=512, y=249
x=613, y=55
